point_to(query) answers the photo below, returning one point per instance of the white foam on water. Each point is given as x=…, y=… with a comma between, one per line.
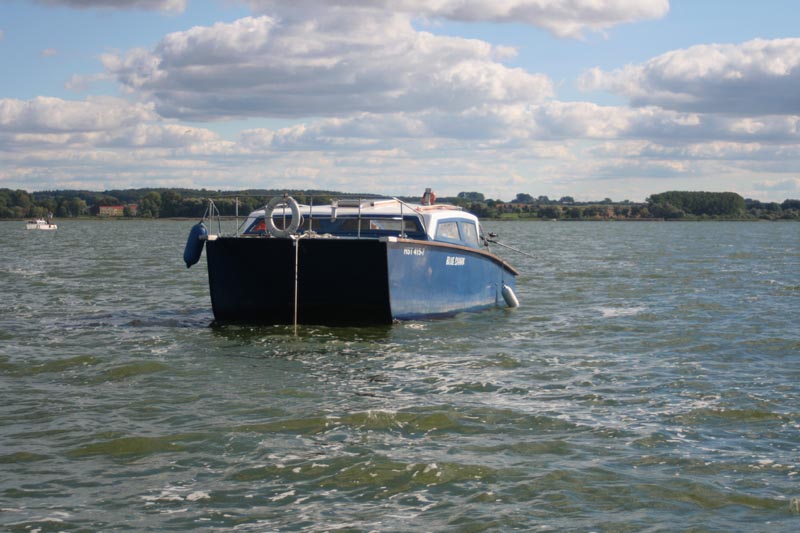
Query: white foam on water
x=43, y=520
x=612, y=312
x=283, y=495
x=166, y=495
x=430, y=467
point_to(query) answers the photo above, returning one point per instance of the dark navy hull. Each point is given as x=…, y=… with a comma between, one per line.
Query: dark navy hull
x=340, y=282
x=349, y=281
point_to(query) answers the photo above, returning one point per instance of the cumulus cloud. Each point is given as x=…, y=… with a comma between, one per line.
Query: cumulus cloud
x=154, y=5
x=564, y=18
x=52, y=115
x=519, y=131
x=99, y=122
x=518, y=126
x=104, y=142
x=329, y=66
x=739, y=152
x=758, y=77
x=562, y=140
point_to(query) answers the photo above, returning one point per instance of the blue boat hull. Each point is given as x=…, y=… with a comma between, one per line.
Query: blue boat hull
x=429, y=279
x=349, y=281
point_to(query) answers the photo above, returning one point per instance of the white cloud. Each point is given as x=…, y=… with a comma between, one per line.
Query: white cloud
x=54, y=115
x=259, y=66
x=517, y=125
x=677, y=127
x=757, y=77
x=97, y=123
x=154, y=5
x=48, y=143
x=564, y=18
x=702, y=151
x=377, y=106
x=483, y=148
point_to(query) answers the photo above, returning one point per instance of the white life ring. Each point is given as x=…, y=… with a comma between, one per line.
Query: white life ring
x=297, y=218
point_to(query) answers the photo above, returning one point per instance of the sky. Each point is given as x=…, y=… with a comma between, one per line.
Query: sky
x=592, y=99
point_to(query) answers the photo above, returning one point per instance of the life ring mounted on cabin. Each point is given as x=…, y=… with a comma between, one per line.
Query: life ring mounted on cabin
x=297, y=218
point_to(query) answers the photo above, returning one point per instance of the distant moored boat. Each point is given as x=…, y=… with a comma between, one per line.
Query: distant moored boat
x=40, y=223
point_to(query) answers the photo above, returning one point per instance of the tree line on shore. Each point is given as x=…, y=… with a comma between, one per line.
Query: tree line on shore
x=671, y=205
x=171, y=203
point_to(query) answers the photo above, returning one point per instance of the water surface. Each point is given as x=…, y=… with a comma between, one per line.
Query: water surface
x=649, y=382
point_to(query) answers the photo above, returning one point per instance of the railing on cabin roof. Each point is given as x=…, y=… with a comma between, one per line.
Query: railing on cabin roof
x=349, y=201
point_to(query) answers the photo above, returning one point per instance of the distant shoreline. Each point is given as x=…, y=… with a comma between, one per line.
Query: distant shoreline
x=188, y=204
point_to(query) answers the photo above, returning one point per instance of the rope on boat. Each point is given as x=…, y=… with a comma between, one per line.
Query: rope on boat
x=296, y=239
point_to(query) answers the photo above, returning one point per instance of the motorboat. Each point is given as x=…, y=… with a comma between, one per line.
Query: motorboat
x=40, y=223
x=351, y=262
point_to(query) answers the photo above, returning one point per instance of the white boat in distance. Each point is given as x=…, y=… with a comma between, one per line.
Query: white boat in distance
x=40, y=223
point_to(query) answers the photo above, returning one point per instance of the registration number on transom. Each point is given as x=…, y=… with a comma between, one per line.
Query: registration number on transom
x=413, y=251
x=455, y=261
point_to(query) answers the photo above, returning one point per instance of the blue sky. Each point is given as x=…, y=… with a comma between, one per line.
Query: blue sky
x=586, y=98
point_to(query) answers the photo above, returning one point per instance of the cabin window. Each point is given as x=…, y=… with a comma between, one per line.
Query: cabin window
x=470, y=233
x=257, y=227
x=370, y=226
x=448, y=231
x=389, y=224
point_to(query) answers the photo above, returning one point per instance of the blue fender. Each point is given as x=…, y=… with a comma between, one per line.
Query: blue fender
x=194, y=244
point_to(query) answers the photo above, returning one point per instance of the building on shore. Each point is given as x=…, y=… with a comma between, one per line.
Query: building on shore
x=117, y=210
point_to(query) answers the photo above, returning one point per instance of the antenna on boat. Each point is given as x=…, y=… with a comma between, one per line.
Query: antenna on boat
x=526, y=254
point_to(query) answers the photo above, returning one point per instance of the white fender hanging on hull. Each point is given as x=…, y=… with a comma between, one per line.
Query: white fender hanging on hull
x=509, y=296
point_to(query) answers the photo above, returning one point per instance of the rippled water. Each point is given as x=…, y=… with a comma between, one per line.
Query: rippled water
x=649, y=382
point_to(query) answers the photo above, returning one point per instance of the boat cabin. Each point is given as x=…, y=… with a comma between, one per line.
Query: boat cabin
x=375, y=219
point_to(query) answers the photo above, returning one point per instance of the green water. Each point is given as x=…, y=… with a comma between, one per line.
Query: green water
x=649, y=382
